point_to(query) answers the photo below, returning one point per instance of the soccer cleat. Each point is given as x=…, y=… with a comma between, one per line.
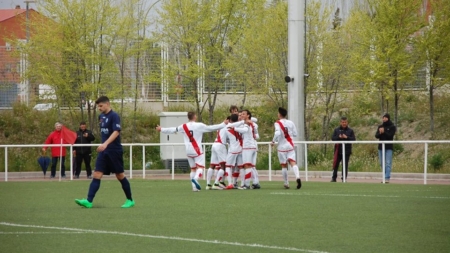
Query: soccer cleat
x=286, y=186
x=333, y=180
x=195, y=190
x=299, y=183
x=197, y=185
x=222, y=184
x=84, y=203
x=208, y=187
x=235, y=186
x=244, y=187
x=217, y=187
x=230, y=187
x=256, y=186
x=128, y=203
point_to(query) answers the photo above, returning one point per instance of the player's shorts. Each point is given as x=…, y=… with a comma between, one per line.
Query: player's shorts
x=218, y=154
x=110, y=161
x=255, y=156
x=286, y=156
x=233, y=159
x=197, y=161
x=249, y=157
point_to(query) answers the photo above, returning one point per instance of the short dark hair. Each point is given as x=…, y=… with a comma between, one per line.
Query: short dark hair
x=82, y=123
x=232, y=108
x=234, y=117
x=344, y=118
x=229, y=118
x=102, y=99
x=248, y=113
x=191, y=115
x=282, y=111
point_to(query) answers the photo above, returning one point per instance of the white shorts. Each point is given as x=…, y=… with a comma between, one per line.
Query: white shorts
x=284, y=157
x=198, y=161
x=249, y=156
x=218, y=154
x=234, y=159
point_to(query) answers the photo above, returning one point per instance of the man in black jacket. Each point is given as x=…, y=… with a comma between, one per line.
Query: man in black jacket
x=84, y=136
x=342, y=133
x=386, y=132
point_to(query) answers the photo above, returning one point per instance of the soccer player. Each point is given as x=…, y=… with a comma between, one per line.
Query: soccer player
x=284, y=131
x=248, y=149
x=110, y=154
x=234, y=157
x=218, y=160
x=193, y=135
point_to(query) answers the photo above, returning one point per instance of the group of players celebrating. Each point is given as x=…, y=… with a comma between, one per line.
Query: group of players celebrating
x=240, y=132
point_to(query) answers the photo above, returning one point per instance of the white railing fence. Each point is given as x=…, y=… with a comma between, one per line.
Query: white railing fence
x=297, y=143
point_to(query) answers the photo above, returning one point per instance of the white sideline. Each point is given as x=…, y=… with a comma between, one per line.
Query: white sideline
x=356, y=195
x=163, y=237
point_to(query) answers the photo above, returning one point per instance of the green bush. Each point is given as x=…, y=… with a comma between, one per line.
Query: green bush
x=437, y=161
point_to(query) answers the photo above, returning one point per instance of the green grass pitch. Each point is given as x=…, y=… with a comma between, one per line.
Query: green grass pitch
x=169, y=217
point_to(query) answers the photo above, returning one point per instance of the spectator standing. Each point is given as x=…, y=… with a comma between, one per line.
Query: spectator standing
x=386, y=132
x=61, y=135
x=342, y=133
x=84, y=136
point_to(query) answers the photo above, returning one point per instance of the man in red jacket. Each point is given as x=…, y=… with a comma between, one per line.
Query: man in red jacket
x=56, y=137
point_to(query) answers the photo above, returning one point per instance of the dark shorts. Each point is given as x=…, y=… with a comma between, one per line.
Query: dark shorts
x=110, y=161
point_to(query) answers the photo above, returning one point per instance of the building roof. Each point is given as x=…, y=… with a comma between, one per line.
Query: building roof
x=9, y=13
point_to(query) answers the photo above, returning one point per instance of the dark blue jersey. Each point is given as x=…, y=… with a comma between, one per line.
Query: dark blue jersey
x=109, y=123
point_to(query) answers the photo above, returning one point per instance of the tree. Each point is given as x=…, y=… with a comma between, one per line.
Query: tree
x=433, y=47
x=385, y=38
x=200, y=35
x=327, y=63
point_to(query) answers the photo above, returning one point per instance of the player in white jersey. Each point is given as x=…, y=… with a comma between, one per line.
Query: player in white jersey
x=284, y=131
x=236, y=173
x=234, y=150
x=248, y=149
x=218, y=160
x=193, y=136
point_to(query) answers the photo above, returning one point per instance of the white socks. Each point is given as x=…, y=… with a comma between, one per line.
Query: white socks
x=296, y=172
x=284, y=171
x=228, y=174
x=209, y=175
x=219, y=176
x=255, y=176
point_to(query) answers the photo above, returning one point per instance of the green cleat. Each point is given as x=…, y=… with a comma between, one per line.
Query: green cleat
x=83, y=203
x=128, y=204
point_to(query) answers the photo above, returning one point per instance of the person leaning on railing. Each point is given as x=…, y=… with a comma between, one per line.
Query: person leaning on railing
x=342, y=133
x=386, y=132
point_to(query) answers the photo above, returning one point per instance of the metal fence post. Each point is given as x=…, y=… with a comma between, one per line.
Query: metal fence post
x=270, y=162
x=131, y=161
x=425, y=164
x=344, y=174
x=143, y=161
x=306, y=161
x=173, y=163
x=71, y=162
x=383, y=162
x=6, y=164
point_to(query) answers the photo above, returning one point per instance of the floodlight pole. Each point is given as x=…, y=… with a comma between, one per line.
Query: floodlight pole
x=296, y=67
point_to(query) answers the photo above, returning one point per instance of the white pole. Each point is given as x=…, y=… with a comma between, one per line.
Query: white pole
x=173, y=163
x=143, y=161
x=270, y=162
x=425, y=164
x=131, y=161
x=296, y=64
x=6, y=164
x=204, y=172
x=60, y=159
x=71, y=163
x=383, y=160
x=343, y=164
x=306, y=162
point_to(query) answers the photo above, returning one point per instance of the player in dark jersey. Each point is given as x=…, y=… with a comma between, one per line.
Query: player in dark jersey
x=110, y=154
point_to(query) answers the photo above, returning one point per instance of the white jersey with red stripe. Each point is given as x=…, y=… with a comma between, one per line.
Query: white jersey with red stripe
x=234, y=139
x=221, y=136
x=249, y=136
x=282, y=135
x=196, y=130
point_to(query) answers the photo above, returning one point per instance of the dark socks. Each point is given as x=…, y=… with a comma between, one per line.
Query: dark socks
x=126, y=187
x=93, y=188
